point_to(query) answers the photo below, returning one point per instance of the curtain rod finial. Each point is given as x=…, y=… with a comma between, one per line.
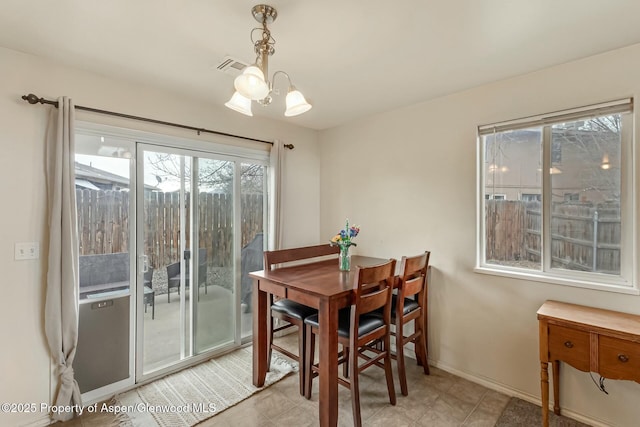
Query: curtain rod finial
x=289, y=146
x=32, y=99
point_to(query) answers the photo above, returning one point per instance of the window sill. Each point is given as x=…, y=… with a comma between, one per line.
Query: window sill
x=555, y=280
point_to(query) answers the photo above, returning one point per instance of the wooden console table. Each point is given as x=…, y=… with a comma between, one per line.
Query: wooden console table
x=589, y=339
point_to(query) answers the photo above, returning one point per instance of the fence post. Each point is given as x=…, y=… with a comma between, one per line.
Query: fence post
x=595, y=240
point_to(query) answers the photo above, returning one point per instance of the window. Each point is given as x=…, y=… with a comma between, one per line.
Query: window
x=495, y=196
x=528, y=197
x=566, y=186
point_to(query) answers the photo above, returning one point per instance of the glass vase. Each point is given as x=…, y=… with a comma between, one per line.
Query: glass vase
x=344, y=259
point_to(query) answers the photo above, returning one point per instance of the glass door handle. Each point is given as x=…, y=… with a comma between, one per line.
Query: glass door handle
x=145, y=263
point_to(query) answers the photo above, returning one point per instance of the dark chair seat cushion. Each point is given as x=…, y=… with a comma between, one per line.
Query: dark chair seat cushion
x=368, y=322
x=409, y=306
x=293, y=309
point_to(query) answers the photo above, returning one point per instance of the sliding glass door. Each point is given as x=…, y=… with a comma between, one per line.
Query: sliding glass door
x=186, y=220
x=170, y=229
x=200, y=228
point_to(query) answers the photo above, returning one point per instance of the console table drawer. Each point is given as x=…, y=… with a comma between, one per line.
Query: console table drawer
x=570, y=346
x=618, y=359
x=590, y=339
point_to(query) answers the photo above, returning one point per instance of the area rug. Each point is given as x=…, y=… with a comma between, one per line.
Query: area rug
x=519, y=413
x=197, y=393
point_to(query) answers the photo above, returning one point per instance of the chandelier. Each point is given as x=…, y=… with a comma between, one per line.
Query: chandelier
x=252, y=84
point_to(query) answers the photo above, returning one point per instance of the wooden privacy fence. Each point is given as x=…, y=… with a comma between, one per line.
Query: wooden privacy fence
x=103, y=221
x=505, y=230
x=583, y=236
x=103, y=224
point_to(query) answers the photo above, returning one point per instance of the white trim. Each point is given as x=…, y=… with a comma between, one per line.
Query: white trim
x=628, y=188
x=112, y=388
x=152, y=138
x=627, y=281
x=138, y=141
x=510, y=391
x=547, y=195
x=535, y=276
x=237, y=252
x=611, y=107
x=480, y=201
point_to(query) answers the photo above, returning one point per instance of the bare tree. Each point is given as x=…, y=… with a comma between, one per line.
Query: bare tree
x=213, y=175
x=596, y=143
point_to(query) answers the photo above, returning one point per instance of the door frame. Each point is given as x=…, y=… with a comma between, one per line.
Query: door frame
x=247, y=152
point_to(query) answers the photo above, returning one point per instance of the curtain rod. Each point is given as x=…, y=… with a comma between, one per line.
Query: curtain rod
x=33, y=99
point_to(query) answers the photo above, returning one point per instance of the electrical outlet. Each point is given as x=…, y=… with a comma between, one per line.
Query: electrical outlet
x=27, y=250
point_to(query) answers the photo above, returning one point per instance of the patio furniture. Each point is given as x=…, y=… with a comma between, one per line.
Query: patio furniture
x=173, y=273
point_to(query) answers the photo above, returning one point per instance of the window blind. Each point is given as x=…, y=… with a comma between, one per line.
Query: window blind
x=604, y=109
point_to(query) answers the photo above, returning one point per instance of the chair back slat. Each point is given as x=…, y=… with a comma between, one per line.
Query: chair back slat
x=373, y=301
x=413, y=286
x=414, y=274
x=373, y=286
x=282, y=256
x=366, y=276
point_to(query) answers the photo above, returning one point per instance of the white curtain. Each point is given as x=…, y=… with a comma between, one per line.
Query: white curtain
x=61, y=307
x=276, y=167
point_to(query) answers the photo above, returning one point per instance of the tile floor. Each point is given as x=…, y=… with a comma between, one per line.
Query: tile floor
x=439, y=399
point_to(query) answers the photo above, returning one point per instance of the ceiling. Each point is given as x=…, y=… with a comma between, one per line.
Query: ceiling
x=351, y=59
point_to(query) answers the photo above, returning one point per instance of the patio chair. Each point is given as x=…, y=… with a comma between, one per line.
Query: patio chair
x=173, y=273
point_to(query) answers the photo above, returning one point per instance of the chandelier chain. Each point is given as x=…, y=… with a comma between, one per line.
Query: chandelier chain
x=266, y=43
x=254, y=84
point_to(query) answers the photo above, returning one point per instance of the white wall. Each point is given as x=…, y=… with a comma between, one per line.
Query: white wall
x=408, y=177
x=24, y=359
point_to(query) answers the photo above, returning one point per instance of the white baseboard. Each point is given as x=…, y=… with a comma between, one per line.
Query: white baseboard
x=486, y=382
x=509, y=391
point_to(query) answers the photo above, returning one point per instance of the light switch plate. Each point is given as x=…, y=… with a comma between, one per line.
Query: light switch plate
x=27, y=250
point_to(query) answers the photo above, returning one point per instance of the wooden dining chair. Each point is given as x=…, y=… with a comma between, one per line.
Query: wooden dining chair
x=410, y=305
x=360, y=331
x=289, y=311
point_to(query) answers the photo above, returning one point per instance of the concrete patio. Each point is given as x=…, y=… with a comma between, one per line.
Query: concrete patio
x=214, y=324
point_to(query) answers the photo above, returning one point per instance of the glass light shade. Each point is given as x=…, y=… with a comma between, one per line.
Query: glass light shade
x=240, y=104
x=296, y=104
x=251, y=83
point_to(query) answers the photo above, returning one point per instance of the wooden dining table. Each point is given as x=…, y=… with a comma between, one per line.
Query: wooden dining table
x=320, y=285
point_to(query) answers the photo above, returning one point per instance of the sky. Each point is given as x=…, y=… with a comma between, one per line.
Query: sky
x=121, y=166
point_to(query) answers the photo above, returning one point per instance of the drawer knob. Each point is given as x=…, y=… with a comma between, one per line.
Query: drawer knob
x=623, y=358
x=568, y=344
